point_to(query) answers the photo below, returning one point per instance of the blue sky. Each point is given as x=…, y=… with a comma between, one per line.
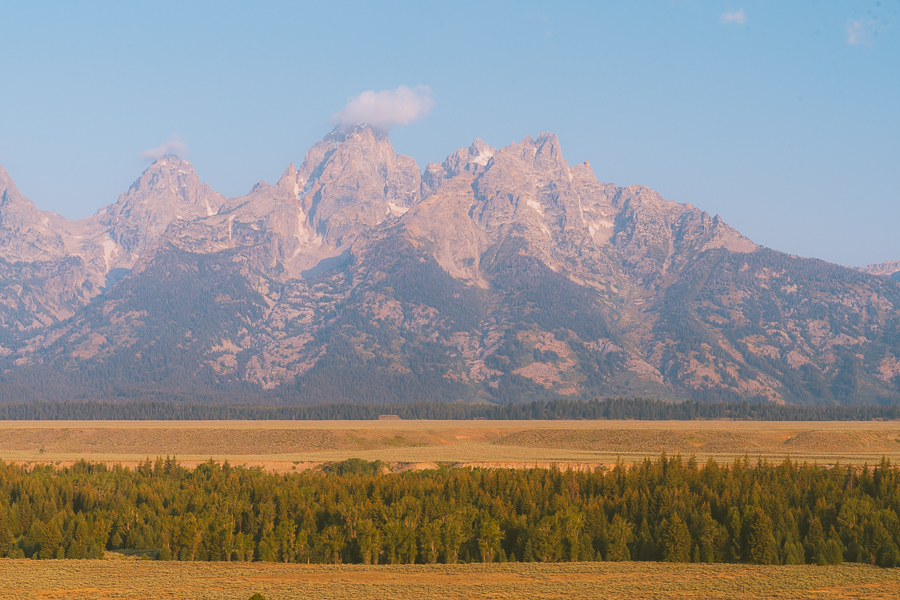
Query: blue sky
x=782, y=117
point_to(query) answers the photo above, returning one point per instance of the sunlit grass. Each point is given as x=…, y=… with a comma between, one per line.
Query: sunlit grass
x=171, y=580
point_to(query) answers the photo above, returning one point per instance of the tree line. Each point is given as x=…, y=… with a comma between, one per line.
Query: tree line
x=355, y=511
x=610, y=408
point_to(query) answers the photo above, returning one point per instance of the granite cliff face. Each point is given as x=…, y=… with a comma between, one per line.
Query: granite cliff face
x=498, y=274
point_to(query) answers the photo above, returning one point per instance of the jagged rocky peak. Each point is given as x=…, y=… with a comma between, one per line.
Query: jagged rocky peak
x=480, y=195
x=289, y=180
x=26, y=233
x=12, y=203
x=529, y=180
x=530, y=158
x=168, y=190
x=6, y=182
x=353, y=180
x=267, y=227
x=473, y=160
x=543, y=154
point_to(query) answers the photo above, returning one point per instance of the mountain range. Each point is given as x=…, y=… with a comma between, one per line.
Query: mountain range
x=498, y=275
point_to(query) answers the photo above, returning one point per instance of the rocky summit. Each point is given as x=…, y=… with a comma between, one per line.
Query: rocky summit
x=499, y=275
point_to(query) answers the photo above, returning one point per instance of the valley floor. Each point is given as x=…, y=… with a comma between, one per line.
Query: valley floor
x=173, y=580
x=286, y=446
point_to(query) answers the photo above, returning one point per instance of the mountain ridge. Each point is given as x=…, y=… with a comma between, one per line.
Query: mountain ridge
x=497, y=275
x=890, y=268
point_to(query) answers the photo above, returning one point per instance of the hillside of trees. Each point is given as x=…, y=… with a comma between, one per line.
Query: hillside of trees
x=611, y=408
x=356, y=512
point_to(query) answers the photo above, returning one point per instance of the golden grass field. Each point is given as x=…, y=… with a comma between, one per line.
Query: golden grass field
x=102, y=579
x=285, y=446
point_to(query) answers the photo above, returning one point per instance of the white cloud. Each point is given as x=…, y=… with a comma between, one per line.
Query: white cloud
x=387, y=108
x=173, y=146
x=859, y=32
x=736, y=16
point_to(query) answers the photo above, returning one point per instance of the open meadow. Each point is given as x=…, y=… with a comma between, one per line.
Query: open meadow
x=102, y=579
x=285, y=446
x=290, y=446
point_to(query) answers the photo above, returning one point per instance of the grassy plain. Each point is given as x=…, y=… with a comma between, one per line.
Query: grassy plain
x=286, y=446
x=172, y=580
x=294, y=445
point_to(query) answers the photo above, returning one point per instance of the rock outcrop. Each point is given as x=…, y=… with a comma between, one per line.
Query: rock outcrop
x=885, y=269
x=26, y=233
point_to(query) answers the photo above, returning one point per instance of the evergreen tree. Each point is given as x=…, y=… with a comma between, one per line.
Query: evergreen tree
x=51, y=541
x=620, y=536
x=762, y=549
x=793, y=553
x=267, y=551
x=734, y=549
x=644, y=546
x=814, y=543
x=675, y=541
x=529, y=552
x=888, y=555
x=489, y=540
x=5, y=536
x=833, y=552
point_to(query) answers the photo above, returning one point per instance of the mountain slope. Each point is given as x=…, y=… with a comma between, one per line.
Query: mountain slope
x=498, y=275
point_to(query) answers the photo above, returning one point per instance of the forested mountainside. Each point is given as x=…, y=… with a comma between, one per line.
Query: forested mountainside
x=499, y=275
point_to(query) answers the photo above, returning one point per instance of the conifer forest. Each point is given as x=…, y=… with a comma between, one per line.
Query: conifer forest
x=667, y=509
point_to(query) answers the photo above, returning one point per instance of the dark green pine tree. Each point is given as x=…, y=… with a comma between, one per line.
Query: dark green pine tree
x=529, y=552
x=888, y=555
x=675, y=541
x=833, y=552
x=814, y=544
x=644, y=546
x=733, y=551
x=793, y=552
x=5, y=536
x=620, y=535
x=51, y=541
x=762, y=549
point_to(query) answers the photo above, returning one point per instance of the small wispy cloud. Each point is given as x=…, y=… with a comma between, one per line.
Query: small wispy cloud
x=173, y=146
x=736, y=17
x=859, y=32
x=387, y=108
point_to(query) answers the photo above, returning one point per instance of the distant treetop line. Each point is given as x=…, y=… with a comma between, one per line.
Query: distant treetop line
x=642, y=409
